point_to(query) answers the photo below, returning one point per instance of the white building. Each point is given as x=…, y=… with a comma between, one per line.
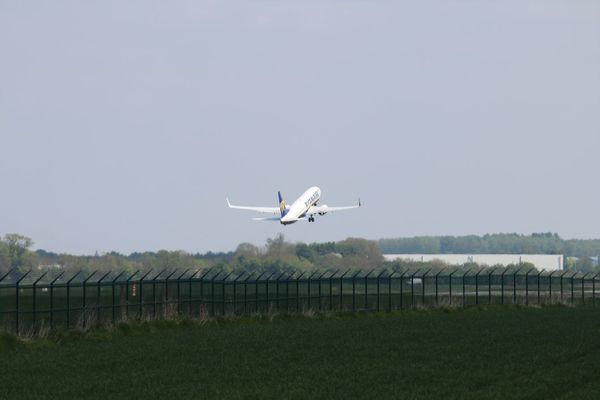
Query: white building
x=552, y=262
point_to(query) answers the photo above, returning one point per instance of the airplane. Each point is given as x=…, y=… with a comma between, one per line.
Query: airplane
x=303, y=209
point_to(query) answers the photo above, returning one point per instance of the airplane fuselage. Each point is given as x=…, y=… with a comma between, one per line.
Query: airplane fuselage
x=299, y=207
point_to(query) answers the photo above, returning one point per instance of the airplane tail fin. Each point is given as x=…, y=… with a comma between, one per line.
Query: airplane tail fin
x=282, y=208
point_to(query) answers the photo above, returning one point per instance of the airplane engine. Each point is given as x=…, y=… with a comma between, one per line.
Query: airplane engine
x=323, y=212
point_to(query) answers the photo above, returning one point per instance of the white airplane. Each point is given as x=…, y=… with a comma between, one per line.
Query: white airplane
x=303, y=209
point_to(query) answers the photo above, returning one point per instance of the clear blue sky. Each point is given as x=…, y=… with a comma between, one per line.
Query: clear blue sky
x=124, y=125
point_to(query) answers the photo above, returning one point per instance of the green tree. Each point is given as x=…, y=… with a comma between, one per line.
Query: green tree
x=246, y=250
x=279, y=248
x=4, y=258
x=306, y=252
x=583, y=264
x=16, y=253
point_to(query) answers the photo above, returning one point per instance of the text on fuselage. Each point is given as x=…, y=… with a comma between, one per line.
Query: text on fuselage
x=312, y=199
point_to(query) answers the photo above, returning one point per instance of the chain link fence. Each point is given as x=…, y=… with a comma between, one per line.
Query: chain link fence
x=28, y=304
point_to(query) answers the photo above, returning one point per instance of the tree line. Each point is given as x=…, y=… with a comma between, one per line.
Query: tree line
x=502, y=243
x=277, y=255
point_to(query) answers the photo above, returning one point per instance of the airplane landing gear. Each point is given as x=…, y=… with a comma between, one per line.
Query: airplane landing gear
x=311, y=219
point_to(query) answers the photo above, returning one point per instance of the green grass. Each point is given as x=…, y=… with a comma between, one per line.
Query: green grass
x=494, y=353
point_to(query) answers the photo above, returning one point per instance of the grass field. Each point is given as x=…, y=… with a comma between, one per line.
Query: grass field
x=490, y=353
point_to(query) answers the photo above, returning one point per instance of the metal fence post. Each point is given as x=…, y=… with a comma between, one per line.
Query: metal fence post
x=412, y=287
x=502, y=285
x=594, y=288
x=154, y=293
x=17, y=310
x=246, y=292
x=378, y=293
x=287, y=291
x=98, y=300
x=179, y=290
x=114, y=283
x=34, y=298
x=308, y=288
x=178, y=279
x=341, y=307
x=583, y=287
x=256, y=297
x=167, y=285
x=52, y=298
x=223, y=283
x=235, y=292
x=268, y=306
x=8, y=273
x=436, y=286
x=378, y=289
x=166, y=303
x=212, y=292
x=288, y=279
x=277, y=284
x=401, y=289
x=190, y=280
x=515, y=285
x=561, y=284
x=83, y=305
x=477, y=285
x=354, y=291
x=127, y=294
x=309, y=291
x=463, y=287
x=319, y=291
x=367, y=288
x=202, y=302
x=331, y=289
x=423, y=285
x=538, y=285
x=141, y=302
x=527, y=286
x=582, y=280
x=298, y=291
x=390, y=291
x=450, y=285
x=69, y=298
x=490, y=274
x=550, y=284
x=572, y=287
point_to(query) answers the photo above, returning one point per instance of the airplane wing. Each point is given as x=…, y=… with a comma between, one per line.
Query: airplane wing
x=299, y=219
x=277, y=219
x=267, y=219
x=326, y=209
x=265, y=210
